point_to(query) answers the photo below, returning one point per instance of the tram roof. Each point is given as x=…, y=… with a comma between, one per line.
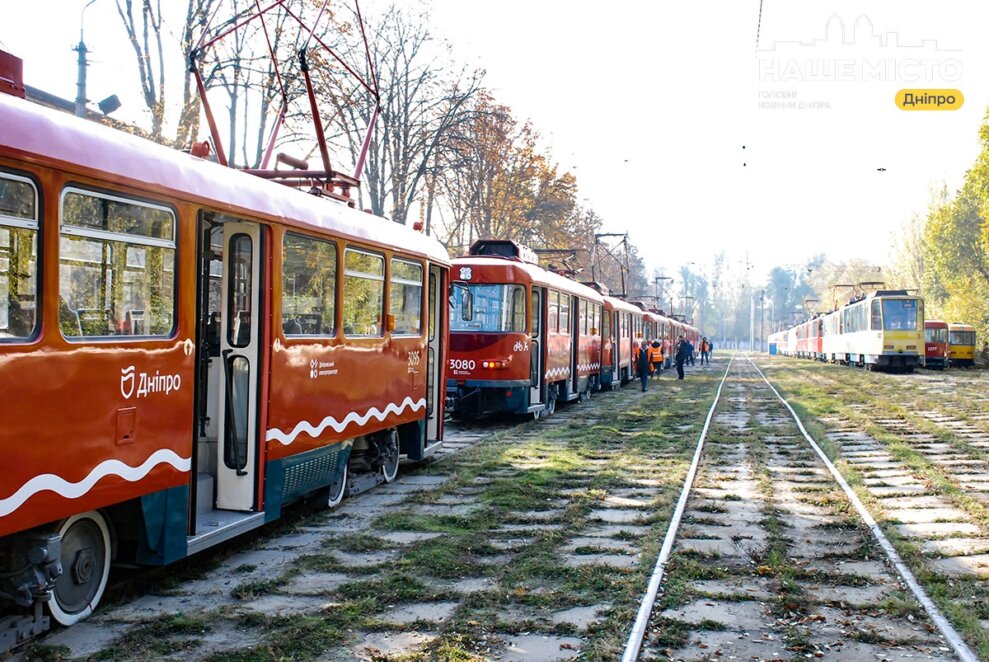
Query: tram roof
x=523, y=272
x=621, y=304
x=32, y=131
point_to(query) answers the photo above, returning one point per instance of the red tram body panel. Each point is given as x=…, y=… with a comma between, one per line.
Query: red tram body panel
x=185, y=348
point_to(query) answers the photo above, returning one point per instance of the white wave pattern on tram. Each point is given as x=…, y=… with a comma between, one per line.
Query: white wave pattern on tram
x=62, y=487
x=353, y=417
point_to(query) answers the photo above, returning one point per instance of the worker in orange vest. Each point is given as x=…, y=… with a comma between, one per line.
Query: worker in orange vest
x=655, y=358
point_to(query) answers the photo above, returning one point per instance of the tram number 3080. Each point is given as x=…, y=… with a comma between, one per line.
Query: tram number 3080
x=462, y=364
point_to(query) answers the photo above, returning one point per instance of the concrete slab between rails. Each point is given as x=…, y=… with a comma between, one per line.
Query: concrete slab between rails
x=538, y=648
x=884, y=491
x=581, y=617
x=928, y=501
x=746, y=615
x=874, y=570
x=956, y=546
x=976, y=564
x=755, y=588
x=853, y=596
x=381, y=645
x=730, y=645
x=933, y=529
x=432, y=612
x=925, y=515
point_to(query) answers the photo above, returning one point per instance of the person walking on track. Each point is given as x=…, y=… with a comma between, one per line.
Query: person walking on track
x=705, y=351
x=690, y=355
x=642, y=363
x=656, y=358
x=681, y=356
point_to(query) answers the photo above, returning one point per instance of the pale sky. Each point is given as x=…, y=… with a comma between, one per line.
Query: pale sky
x=651, y=103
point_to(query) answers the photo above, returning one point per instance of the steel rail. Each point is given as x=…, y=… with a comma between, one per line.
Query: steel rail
x=950, y=634
x=634, y=644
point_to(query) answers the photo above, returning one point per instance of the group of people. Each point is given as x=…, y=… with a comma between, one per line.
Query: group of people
x=649, y=357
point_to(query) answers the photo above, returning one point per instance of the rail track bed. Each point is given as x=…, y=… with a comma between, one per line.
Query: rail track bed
x=523, y=541
x=772, y=561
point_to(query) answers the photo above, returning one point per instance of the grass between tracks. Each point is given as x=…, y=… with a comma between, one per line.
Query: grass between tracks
x=870, y=402
x=494, y=540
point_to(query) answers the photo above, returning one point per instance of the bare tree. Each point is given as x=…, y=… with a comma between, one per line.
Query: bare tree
x=423, y=101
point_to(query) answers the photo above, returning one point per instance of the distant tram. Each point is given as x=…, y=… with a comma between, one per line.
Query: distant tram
x=185, y=349
x=935, y=344
x=882, y=330
x=522, y=338
x=961, y=345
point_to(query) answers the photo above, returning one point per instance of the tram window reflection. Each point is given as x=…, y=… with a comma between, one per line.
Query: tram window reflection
x=18, y=257
x=116, y=267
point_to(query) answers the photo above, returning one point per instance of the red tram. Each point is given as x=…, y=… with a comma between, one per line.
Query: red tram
x=521, y=337
x=935, y=344
x=185, y=348
x=617, y=347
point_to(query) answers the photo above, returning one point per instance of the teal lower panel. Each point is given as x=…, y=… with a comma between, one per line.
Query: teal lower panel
x=291, y=478
x=164, y=523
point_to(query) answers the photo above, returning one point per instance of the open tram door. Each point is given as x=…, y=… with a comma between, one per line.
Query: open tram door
x=438, y=322
x=537, y=373
x=230, y=337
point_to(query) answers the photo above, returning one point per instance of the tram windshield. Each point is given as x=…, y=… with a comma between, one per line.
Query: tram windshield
x=900, y=314
x=936, y=334
x=962, y=338
x=496, y=309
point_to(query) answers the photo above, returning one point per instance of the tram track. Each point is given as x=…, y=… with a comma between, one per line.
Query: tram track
x=778, y=557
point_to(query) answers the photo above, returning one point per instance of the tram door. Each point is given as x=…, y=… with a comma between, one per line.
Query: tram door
x=435, y=386
x=536, y=371
x=240, y=340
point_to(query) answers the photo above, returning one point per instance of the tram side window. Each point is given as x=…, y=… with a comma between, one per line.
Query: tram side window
x=363, y=293
x=405, y=297
x=554, y=311
x=117, y=262
x=565, y=314
x=18, y=257
x=309, y=286
x=876, y=315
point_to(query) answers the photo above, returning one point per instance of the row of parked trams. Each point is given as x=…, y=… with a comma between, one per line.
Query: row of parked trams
x=885, y=330
x=185, y=349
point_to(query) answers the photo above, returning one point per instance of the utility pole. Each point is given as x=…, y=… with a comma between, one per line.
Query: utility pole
x=762, y=320
x=751, y=321
x=81, y=66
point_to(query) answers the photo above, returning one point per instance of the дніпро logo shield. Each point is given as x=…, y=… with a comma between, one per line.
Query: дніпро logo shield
x=127, y=382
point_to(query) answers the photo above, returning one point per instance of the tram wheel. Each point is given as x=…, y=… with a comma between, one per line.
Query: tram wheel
x=85, y=558
x=338, y=489
x=388, y=447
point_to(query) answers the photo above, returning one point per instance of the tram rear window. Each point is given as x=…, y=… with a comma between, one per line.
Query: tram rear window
x=936, y=335
x=116, y=267
x=309, y=286
x=900, y=314
x=18, y=257
x=497, y=309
